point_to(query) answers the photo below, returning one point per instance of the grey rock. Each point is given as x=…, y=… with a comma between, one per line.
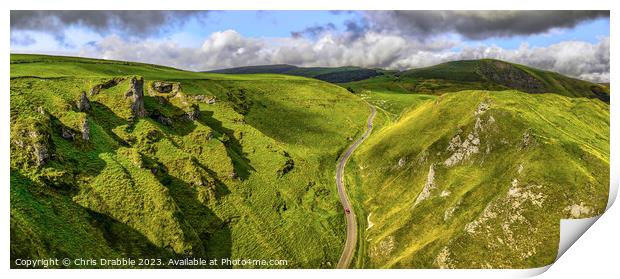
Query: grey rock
x=95, y=90
x=40, y=150
x=67, y=134
x=511, y=76
x=194, y=112
x=85, y=130
x=162, y=87
x=104, y=85
x=176, y=87
x=136, y=92
x=83, y=104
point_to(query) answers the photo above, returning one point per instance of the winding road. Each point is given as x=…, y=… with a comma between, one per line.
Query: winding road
x=349, y=247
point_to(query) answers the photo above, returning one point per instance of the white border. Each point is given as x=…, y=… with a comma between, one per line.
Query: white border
x=595, y=254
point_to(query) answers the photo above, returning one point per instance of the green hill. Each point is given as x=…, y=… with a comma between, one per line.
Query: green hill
x=116, y=159
x=333, y=75
x=484, y=74
x=479, y=179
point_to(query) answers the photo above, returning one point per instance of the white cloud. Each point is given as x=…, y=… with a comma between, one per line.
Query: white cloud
x=373, y=49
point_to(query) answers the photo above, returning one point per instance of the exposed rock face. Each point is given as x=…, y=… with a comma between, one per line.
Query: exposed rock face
x=443, y=258
x=383, y=248
x=40, y=150
x=176, y=87
x=194, y=113
x=85, y=130
x=527, y=139
x=462, y=149
x=511, y=76
x=159, y=117
x=67, y=134
x=578, y=210
x=136, y=92
x=162, y=87
x=428, y=187
x=105, y=85
x=35, y=140
x=83, y=104
x=208, y=100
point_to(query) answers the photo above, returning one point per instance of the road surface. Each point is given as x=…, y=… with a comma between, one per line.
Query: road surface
x=349, y=246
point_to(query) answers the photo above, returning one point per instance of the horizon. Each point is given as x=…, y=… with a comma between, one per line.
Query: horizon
x=266, y=65
x=572, y=43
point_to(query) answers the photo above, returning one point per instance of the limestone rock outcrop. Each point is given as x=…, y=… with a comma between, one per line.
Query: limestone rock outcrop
x=136, y=93
x=83, y=103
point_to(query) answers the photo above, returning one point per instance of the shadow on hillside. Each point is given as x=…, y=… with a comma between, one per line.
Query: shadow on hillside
x=241, y=162
x=160, y=111
x=108, y=120
x=291, y=125
x=124, y=239
x=56, y=208
x=210, y=235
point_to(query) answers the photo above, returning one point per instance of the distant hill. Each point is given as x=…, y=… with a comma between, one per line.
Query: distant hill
x=510, y=75
x=333, y=75
x=484, y=74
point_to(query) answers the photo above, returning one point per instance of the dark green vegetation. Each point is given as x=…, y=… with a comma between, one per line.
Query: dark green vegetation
x=464, y=168
x=334, y=75
x=195, y=164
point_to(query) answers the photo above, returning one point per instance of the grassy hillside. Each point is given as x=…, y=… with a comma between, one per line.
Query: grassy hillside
x=237, y=166
x=485, y=74
x=118, y=159
x=479, y=179
x=333, y=75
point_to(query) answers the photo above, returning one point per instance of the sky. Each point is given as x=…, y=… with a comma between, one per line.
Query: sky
x=574, y=43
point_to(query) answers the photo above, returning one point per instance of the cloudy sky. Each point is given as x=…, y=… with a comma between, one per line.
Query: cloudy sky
x=575, y=43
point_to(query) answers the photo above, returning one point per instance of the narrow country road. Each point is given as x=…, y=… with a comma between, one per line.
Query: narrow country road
x=349, y=246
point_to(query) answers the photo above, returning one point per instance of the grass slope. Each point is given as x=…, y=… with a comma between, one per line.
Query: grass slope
x=480, y=179
x=250, y=176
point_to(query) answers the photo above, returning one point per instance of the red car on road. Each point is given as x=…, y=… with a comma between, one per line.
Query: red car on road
x=347, y=210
